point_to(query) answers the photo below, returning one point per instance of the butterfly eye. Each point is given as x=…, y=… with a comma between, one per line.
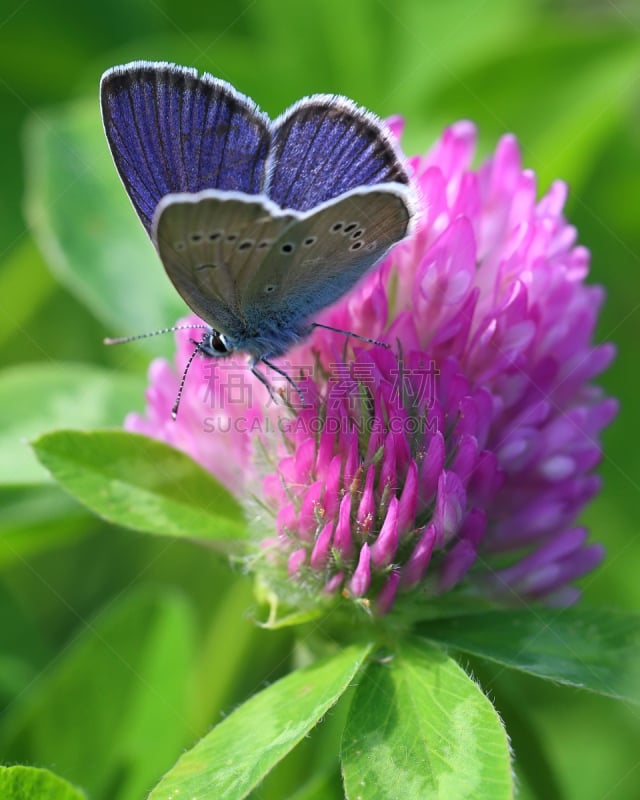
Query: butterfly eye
x=218, y=344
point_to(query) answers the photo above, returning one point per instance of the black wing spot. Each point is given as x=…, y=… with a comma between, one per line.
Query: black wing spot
x=232, y=237
x=371, y=246
x=350, y=227
x=195, y=237
x=179, y=246
x=310, y=241
x=357, y=234
x=248, y=243
x=264, y=243
x=200, y=267
x=356, y=245
x=269, y=288
x=214, y=235
x=287, y=247
x=336, y=227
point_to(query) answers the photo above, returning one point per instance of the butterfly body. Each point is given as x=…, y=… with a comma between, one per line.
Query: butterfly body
x=259, y=224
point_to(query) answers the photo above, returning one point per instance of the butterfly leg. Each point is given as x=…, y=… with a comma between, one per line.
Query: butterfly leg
x=348, y=333
x=288, y=378
x=264, y=381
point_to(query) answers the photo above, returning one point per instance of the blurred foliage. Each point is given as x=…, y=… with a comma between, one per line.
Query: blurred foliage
x=118, y=650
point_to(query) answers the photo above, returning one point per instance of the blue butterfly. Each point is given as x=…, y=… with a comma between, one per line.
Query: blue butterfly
x=259, y=224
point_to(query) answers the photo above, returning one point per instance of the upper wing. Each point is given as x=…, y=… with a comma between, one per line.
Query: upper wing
x=322, y=255
x=212, y=244
x=172, y=131
x=325, y=145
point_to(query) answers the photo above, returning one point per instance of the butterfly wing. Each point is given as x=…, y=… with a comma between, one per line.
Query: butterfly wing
x=212, y=244
x=324, y=146
x=172, y=131
x=319, y=257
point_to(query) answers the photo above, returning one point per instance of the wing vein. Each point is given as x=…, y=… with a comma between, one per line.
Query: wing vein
x=134, y=117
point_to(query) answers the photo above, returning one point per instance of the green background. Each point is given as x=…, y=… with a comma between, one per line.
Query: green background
x=120, y=650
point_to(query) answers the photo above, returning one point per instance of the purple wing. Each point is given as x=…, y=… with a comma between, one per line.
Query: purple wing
x=324, y=146
x=172, y=131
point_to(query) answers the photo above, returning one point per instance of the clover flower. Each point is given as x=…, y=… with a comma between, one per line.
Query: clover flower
x=459, y=457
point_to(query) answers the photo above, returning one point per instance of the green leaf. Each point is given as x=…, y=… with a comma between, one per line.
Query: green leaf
x=18, y=306
x=595, y=649
x=238, y=753
x=37, y=519
x=141, y=483
x=561, y=123
x=87, y=227
x=434, y=42
x=420, y=727
x=277, y=615
x=119, y=690
x=534, y=767
x=24, y=652
x=41, y=397
x=228, y=631
x=321, y=786
x=30, y=783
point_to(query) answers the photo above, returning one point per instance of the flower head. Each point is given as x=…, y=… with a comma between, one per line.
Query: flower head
x=460, y=456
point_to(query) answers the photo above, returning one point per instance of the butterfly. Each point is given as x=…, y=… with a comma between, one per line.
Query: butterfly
x=259, y=224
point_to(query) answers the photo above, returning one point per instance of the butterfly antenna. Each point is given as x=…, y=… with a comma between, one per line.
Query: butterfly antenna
x=352, y=334
x=176, y=405
x=126, y=339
